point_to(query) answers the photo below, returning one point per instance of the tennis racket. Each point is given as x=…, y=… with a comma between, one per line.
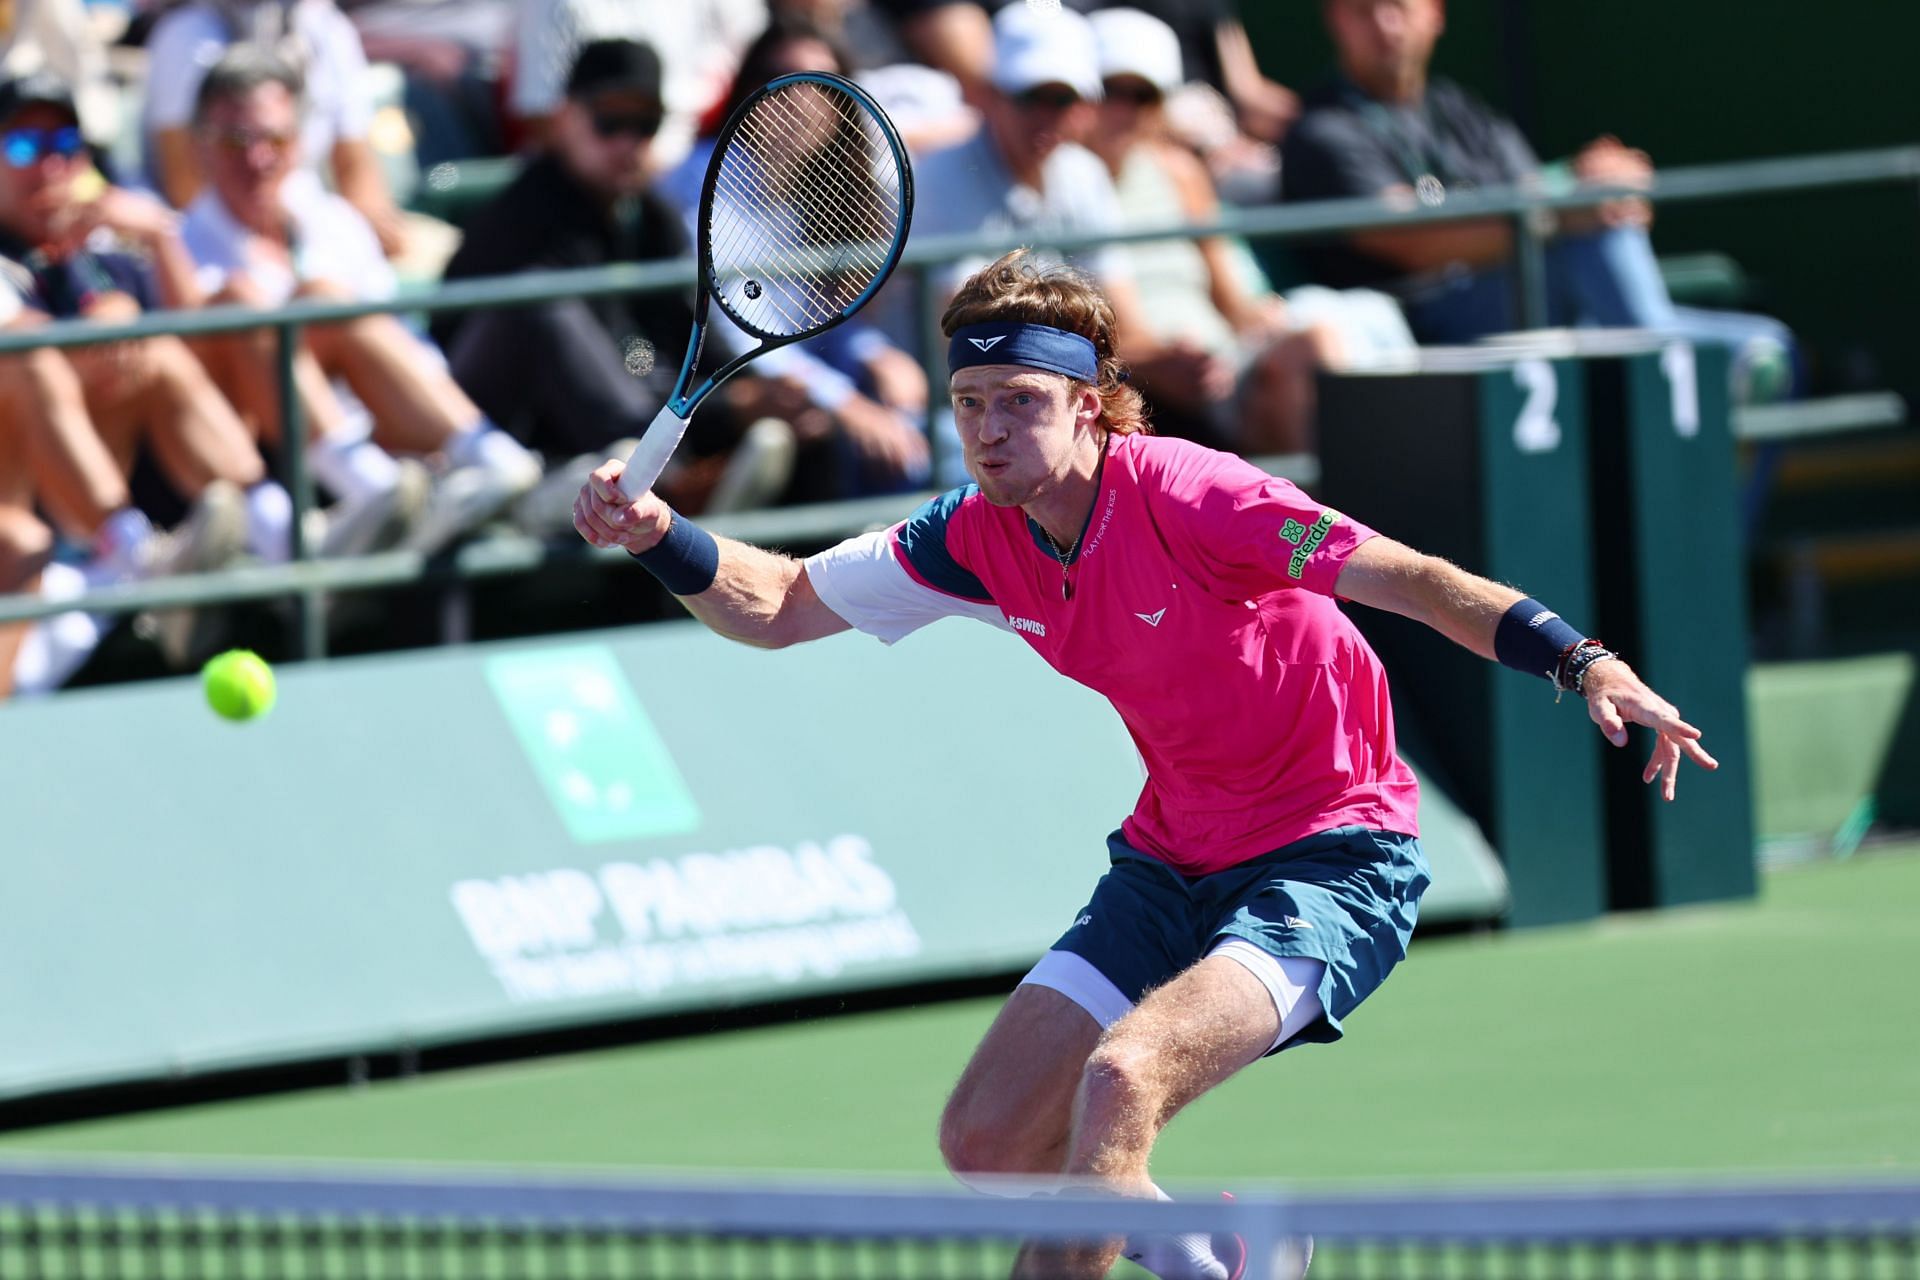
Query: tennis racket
x=803, y=214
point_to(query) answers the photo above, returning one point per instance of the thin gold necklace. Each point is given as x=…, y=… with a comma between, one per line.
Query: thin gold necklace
x=1065, y=559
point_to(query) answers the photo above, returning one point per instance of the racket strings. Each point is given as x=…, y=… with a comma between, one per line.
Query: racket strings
x=850, y=158
x=860, y=256
x=846, y=158
x=798, y=236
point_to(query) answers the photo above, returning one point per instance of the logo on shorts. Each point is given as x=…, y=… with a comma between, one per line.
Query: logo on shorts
x=1295, y=922
x=987, y=344
x=1086, y=919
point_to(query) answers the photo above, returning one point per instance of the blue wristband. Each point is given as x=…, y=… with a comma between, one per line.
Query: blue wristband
x=686, y=561
x=1533, y=639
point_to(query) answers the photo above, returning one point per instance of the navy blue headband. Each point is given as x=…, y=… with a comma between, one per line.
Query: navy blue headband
x=1036, y=346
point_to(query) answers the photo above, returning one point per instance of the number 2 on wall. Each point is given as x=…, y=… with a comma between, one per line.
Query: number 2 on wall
x=1536, y=430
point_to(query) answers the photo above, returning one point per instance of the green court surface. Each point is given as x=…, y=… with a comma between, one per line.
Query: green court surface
x=1781, y=1036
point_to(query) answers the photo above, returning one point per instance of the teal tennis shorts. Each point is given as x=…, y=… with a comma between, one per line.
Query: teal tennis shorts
x=1348, y=897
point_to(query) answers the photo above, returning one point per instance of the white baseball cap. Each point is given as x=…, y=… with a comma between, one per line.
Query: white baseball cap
x=1037, y=43
x=1133, y=43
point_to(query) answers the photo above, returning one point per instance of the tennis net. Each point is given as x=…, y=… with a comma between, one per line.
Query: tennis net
x=62, y=1220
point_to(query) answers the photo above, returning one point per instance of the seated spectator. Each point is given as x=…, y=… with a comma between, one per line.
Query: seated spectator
x=447, y=51
x=1385, y=128
x=698, y=41
x=574, y=375
x=1209, y=289
x=77, y=419
x=1226, y=108
x=316, y=38
x=57, y=36
x=262, y=233
x=869, y=397
x=1025, y=173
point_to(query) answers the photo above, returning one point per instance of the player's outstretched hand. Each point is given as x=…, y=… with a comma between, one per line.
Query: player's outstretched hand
x=1616, y=697
x=607, y=517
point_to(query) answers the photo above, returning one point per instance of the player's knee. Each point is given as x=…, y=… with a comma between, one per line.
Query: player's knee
x=1120, y=1077
x=970, y=1144
x=26, y=544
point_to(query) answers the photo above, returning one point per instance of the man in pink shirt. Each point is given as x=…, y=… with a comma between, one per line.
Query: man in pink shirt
x=1270, y=875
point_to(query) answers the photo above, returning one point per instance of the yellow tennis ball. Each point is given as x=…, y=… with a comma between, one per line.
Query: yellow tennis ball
x=239, y=684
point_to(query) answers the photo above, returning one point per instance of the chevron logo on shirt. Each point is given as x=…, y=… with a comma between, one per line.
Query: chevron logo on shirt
x=986, y=344
x=1153, y=619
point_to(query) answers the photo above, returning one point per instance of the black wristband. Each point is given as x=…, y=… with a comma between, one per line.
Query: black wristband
x=1532, y=638
x=686, y=561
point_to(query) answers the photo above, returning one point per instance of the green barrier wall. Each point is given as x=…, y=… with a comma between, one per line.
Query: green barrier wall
x=503, y=838
x=1670, y=572
x=1481, y=458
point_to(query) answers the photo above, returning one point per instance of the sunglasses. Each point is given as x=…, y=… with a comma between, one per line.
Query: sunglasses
x=241, y=141
x=28, y=147
x=1136, y=92
x=633, y=124
x=1047, y=98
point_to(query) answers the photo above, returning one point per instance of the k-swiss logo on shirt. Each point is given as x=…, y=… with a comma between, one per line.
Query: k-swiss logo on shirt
x=1028, y=625
x=986, y=344
x=1153, y=619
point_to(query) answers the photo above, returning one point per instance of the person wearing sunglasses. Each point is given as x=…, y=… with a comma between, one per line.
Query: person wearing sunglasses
x=337, y=127
x=575, y=375
x=263, y=232
x=77, y=419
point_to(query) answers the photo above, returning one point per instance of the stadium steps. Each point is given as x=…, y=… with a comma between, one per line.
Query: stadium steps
x=1834, y=521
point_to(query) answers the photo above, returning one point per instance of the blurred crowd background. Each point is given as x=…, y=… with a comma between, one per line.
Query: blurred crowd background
x=171, y=156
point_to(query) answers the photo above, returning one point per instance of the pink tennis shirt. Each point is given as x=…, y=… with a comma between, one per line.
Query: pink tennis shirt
x=1202, y=609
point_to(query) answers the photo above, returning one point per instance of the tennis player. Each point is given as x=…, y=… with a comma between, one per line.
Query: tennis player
x=1270, y=875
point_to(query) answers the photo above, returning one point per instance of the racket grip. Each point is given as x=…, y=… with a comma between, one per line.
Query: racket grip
x=649, y=457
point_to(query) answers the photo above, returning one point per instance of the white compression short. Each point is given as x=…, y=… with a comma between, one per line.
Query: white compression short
x=1292, y=981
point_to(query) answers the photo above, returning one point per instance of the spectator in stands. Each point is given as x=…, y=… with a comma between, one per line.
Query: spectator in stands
x=1208, y=289
x=58, y=36
x=573, y=375
x=869, y=395
x=927, y=103
x=72, y=247
x=316, y=38
x=261, y=236
x=1227, y=109
x=448, y=52
x=1026, y=173
x=1384, y=127
x=699, y=43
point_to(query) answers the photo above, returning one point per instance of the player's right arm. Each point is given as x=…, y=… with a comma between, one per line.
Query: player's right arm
x=757, y=597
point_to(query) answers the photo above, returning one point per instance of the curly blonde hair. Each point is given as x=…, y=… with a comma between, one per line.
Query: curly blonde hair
x=1019, y=287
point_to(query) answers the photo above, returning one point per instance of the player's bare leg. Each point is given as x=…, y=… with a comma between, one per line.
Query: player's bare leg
x=417, y=407
x=73, y=474
x=1180, y=1041
x=246, y=367
x=1011, y=1112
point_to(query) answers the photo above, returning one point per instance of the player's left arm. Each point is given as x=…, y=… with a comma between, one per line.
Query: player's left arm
x=1485, y=616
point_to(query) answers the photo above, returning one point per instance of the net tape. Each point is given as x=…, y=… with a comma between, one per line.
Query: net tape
x=59, y=1219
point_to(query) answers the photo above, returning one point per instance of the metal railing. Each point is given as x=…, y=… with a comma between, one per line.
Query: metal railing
x=310, y=580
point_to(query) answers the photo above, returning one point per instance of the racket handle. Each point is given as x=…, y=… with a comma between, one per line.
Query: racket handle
x=649, y=457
